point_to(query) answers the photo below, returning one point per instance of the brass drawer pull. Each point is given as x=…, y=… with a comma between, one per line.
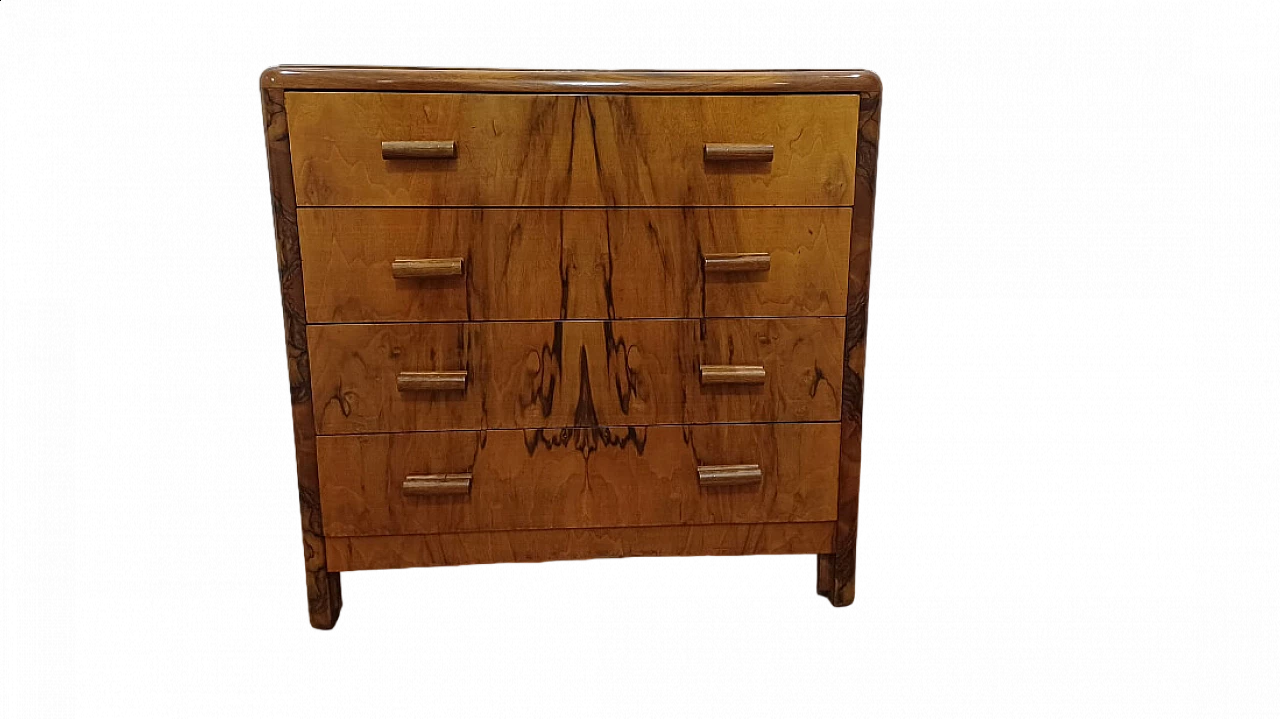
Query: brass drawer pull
x=732, y=374
x=442, y=267
x=432, y=485
x=431, y=381
x=737, y=152
x=419, y=150
x=729, y=475
x=736, y=262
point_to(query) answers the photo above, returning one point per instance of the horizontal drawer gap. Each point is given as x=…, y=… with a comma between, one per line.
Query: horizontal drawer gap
x=582, y=319
x=583, y=529
x=518, y=93
x=563, y=427
x=572, y=207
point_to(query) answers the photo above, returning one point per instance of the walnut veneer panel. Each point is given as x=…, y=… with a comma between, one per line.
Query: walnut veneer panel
x=543, y=545
x=577, y=477
x=554, y=264
x=578, y=150
x=575, y=373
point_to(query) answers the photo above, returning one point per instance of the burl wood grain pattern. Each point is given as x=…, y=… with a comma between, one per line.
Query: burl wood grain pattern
x=567, y=264
x=577, y=150
x=543, y=545
x=643, y=82
x=578, y=477
x=574, y=373
x=324, y=591
x=836, y=570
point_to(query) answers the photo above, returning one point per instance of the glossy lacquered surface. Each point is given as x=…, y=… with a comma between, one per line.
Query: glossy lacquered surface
x=575, y=373
x=418, y=264
x=539, y=315
x=571, y=150
x=417, y=79
x=584, y=477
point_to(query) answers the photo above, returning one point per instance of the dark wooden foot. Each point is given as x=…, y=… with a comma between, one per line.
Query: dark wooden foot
x=845, y=590
x=824, y=575
x=324, y=598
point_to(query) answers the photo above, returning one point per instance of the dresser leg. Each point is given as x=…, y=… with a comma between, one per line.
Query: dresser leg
x=324, y=598
x=824, y=575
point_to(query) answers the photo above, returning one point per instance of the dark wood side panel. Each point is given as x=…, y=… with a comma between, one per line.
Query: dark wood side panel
x=417, y=79
x=544, y=545
x=324, y=591
x=836, y=571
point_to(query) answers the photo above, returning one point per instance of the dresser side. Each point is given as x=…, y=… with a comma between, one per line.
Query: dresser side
x=324, y=590
x=836, y=570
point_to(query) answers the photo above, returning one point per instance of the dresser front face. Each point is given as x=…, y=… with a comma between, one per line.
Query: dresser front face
x=550, y=325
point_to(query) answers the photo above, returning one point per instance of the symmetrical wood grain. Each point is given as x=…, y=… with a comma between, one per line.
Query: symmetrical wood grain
x=574, y=374
x=543, y=545
x=660, y=82
x=836, y=571
x=578, y=150
x=566, y=264
x=324, y=591
x=598, y=261
x=578, y=478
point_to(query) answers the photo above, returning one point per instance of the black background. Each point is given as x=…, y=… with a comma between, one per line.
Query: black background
x=590, y=594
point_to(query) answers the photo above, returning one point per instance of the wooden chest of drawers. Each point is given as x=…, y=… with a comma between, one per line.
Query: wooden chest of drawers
x=536, y=315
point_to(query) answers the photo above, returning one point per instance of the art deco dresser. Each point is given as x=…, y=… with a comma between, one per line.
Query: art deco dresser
x=538, y=315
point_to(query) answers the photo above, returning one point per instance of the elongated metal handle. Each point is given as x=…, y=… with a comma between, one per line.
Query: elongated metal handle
x=729, y=475
x=431, y=381
x=431, y=485
x=732, y=374
x=736, y=262
x=435, y=267
x=737, y=152
x=419, y=150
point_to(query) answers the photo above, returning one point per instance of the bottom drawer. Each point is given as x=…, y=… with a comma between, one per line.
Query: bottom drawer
x=584, y=477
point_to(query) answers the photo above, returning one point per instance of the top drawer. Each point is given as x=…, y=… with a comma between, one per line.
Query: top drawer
x=572, y=150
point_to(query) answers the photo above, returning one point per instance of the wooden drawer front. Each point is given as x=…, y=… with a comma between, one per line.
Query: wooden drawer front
x=553, y=264
x=577, y=373
x=572, y=149
x=577, y=478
